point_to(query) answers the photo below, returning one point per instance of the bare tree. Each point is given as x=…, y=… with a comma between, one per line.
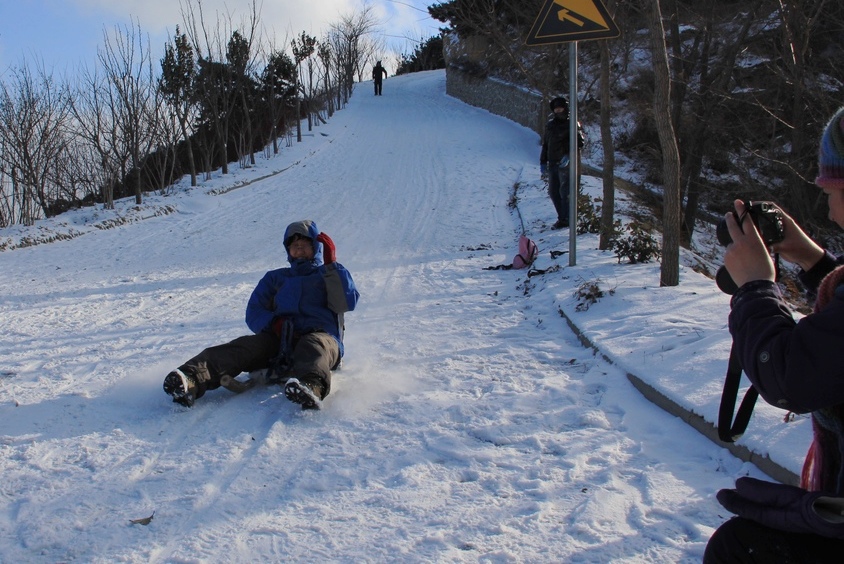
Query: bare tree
x=326, y=59
x=159, y=168
x=608, y=172
x=77, y=173
x=340, y=67
x=127, y=66
x=7, y=196
x=34, y=114
x=798, y=20
x=715, y=73
x=303, y=47
x=347, y=38
x=311, y=90
x=213, y=86
x=370, y=51
x=96, y=114
x=218, y=82
x=670, y=270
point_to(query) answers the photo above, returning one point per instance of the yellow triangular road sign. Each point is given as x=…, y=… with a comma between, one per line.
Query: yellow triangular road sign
x=561, y=21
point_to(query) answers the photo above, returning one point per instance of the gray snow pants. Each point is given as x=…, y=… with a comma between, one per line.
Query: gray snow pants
x=313, y=353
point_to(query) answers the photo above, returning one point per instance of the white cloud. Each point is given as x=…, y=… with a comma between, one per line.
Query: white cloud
x=282, y=18
x=67, y=32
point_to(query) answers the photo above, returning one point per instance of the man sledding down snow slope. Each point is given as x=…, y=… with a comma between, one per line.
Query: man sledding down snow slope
x=296, y=315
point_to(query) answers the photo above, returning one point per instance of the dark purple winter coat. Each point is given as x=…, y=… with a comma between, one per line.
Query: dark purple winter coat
x=798, y=366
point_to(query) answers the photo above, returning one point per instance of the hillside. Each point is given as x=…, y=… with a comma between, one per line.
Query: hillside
x=467, y=424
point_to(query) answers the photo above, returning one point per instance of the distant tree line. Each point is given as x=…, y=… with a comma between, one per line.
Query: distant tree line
x=428, y=55
x=748, y=87
x=130, y=124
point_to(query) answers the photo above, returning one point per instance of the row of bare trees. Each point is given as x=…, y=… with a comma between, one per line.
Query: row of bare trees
x=742, y=104
x=133, y=123
x=730, y=104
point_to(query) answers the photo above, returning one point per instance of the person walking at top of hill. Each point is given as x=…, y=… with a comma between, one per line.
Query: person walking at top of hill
x=554, y=158
x=794, y=365
x=296, y=315
x=378, y=72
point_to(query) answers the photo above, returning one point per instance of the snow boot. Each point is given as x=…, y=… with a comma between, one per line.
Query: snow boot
x=307, y=392
x=181, y=387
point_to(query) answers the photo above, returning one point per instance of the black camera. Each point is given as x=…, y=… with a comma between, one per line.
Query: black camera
x=767, y=218
x=765, y=215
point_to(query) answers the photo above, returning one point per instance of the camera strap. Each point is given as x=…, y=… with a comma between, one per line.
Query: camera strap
x=729, y=429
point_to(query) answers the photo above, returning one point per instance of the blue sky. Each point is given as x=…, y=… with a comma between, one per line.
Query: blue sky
x=66, y=33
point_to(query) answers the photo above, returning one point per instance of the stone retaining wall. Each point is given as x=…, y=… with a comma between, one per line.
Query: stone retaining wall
x=516, y=103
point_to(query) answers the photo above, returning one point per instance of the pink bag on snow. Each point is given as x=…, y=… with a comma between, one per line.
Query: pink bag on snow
x=528, y=251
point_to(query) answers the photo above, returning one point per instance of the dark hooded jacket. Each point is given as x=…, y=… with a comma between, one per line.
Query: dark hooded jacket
x=555, y=141
x=310, y=293
x=792, y=364
x=378, y=72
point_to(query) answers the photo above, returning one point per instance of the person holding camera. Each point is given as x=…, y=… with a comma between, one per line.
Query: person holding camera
x=797, y=366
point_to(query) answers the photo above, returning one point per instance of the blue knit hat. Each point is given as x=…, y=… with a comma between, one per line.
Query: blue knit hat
x=831, y=155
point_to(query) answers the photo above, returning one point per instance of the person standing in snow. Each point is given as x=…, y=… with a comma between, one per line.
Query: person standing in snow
x=378, y=72
x=296, y=315
x=554, y=158
x=794, y=365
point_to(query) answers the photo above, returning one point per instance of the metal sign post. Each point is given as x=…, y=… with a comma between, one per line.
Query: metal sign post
x=574, y=154
x=570, y=21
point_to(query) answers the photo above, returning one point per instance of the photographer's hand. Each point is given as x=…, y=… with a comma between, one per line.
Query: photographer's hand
x=785, y=508
x=796, y=247
x=746, y=257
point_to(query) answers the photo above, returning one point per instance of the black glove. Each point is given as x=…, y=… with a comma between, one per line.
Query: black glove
x=785, y=508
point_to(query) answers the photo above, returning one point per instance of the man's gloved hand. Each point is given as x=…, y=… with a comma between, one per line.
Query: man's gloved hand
x=329, y=251
x=785, y=508
x=543, y=170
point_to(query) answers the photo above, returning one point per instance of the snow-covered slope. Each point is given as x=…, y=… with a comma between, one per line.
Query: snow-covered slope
x=468, y=424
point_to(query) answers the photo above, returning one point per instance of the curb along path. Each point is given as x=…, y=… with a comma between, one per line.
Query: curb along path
x=752, y=453
x=704, y=427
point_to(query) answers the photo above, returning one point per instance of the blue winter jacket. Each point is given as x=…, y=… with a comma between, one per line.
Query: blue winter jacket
x=314, y=295
x=795, y=365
